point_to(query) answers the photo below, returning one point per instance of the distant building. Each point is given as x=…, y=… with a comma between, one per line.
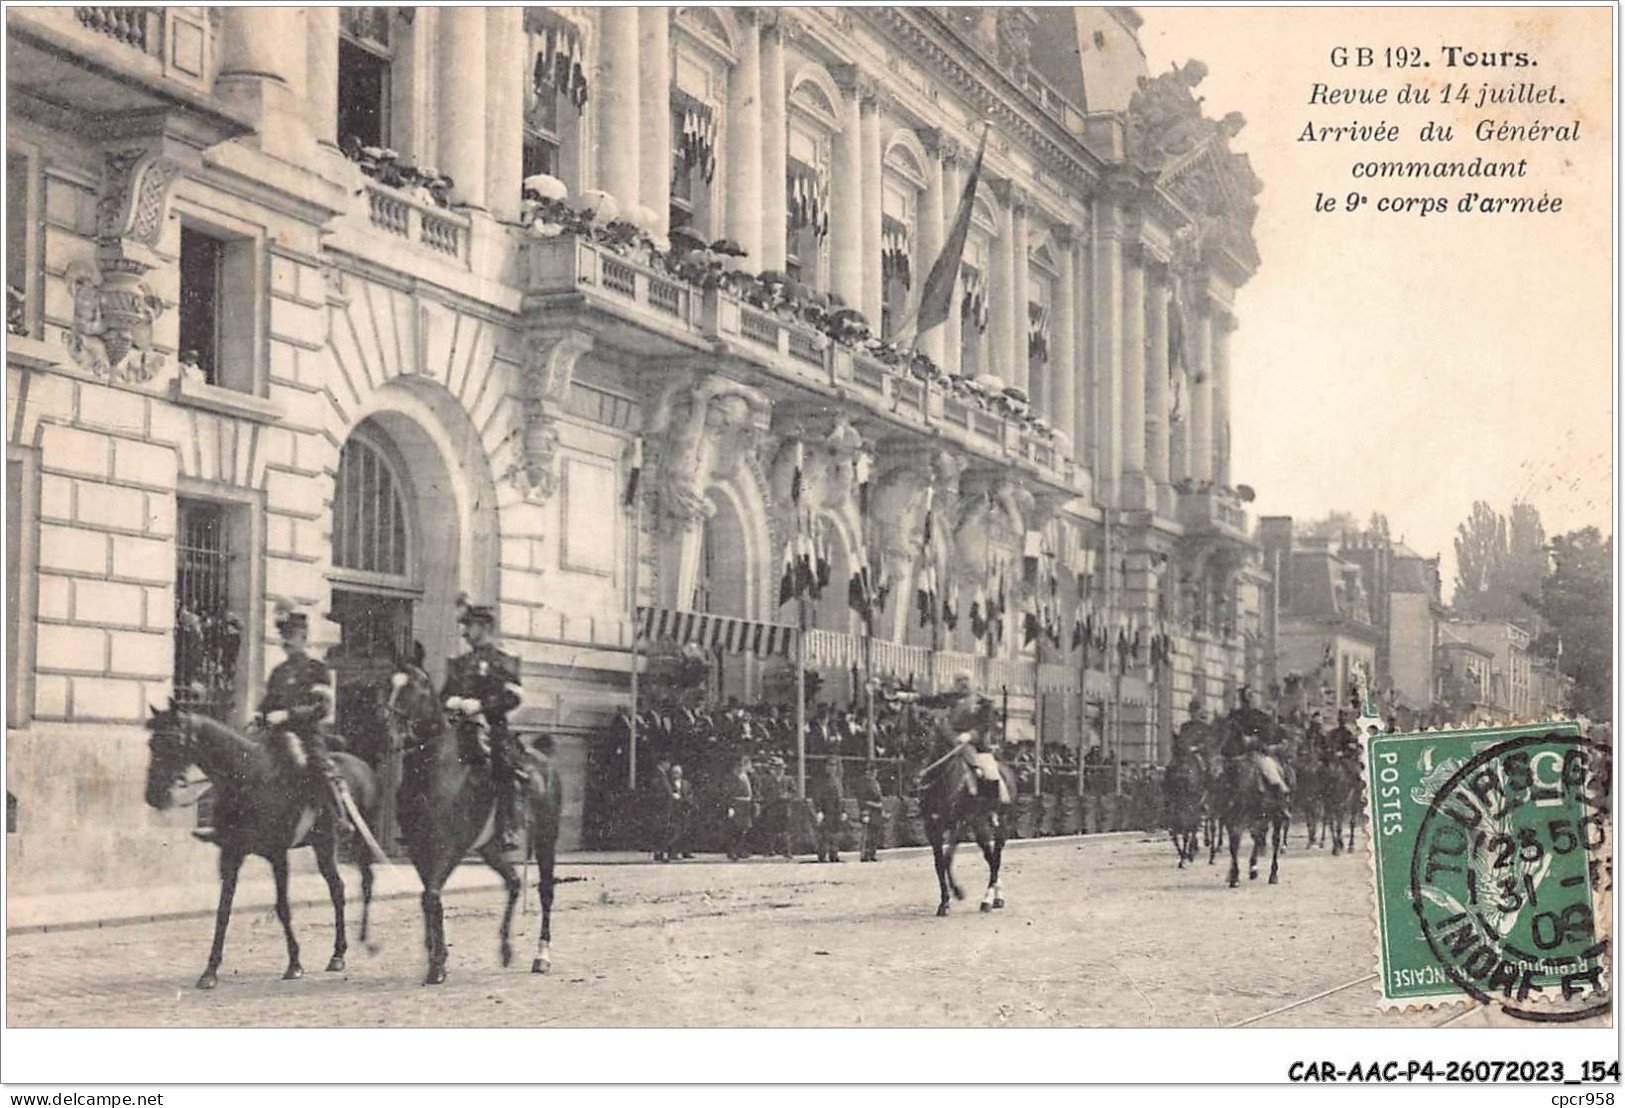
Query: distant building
x=1508, y=646
x=1463, y=689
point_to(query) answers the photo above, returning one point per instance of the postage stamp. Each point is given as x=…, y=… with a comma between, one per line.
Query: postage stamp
x=1492, y=863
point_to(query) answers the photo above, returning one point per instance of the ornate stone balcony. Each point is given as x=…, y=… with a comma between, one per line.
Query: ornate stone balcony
x=109, y=49
x=1213, y=511
x=569, y=273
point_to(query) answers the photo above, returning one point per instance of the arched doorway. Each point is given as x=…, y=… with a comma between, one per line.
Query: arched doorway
x=394, y=576
x=722, y=584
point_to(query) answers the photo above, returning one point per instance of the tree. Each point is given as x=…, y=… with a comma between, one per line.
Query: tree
x=1500, y=563
x=1577, y=599
x=1334, y=525
x=1481, y=549
x=1378, y=525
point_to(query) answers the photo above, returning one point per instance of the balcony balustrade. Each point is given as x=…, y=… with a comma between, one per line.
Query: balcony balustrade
x=159, y=47
x=1213, y=511
x=640, y=291
x=423, y=224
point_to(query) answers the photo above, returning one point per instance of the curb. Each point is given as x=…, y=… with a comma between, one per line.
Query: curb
x=494, y=883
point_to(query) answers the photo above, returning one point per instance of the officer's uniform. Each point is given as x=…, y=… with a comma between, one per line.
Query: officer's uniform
x=829, y=813
x=741, y=814
x=489, y=676
x=299, y=694
x=870, y=814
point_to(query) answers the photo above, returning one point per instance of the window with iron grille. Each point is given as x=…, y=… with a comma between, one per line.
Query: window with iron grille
x=208, y=634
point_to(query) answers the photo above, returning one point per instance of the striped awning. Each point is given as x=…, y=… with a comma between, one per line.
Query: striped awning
x=726, y=633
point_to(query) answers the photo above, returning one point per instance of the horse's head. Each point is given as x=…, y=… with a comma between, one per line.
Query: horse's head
x=170, y=744
x=411, y=711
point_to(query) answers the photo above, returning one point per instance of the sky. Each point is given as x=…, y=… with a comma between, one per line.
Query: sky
x=1403, y=364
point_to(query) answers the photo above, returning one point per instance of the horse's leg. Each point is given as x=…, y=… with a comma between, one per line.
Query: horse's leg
x=940, y=857
x=434, y=932
x=328, y=863
x=1259, y=832
x=953, y=845
x=1234, y=829
x=230, y=863
x=493, y=858
x=279, y=870
x=1278, y=826
x=544, y=880
x=998, y=863
x=985, y=841
x=366, y=904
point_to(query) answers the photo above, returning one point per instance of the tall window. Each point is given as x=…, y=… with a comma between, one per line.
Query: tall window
x=695, y=125
x=219, y=294
x=807, y=204
x=200, y=302
x=208, y=633
x=973, y=314
x=1039, y=332
x=19, y=279
x=370, y=530
x=896, y=253
x=556, y=92
x=365, y=57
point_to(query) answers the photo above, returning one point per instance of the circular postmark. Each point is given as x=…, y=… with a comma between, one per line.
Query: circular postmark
x=1511, y=878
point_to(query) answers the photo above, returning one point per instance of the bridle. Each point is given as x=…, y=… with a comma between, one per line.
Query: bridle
x=178, y=745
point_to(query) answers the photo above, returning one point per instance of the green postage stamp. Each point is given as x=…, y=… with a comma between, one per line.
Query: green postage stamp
x=1491, y=853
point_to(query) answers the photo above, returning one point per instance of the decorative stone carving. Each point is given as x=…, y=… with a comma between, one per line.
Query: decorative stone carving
x=703, y=431
x=113, y=313
x=830, y=471
x=992, y=523
x=897, y=511
x=136, y=184
x=544, y=386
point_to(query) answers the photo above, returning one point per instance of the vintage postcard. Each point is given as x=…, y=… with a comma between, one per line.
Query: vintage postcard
x=812, y=517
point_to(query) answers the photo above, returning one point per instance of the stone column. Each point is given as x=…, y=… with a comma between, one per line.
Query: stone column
x=873, y=278
x=1106, y=313
x=1201, y=441
x=1063, y=370
x=263, y=75
x=742, y=146
x=1156, y=374
x=654, y=113
x=930, y=230
x=775, y=146
x=460, y=82
x=1019, y=362
x=505, y=105
x=322, y=72
x=1223, y=324
x=1135, y=493
x=952, y=186
x=616, y=89
x=1085, y=432
x=1001, y=294
x=846, y=195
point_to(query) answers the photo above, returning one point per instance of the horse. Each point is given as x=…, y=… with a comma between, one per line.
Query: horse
x=1339, y=799
x=949, y=800
x=1182, y=789
x=1309, y=793
x=1255, y=803
x=447, y=808
x=1213, y=804
x=264, y=806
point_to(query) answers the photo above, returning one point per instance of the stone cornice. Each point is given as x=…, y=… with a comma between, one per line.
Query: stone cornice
x=936, y=47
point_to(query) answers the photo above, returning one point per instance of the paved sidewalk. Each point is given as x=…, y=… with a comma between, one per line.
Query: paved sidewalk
x=114, y=907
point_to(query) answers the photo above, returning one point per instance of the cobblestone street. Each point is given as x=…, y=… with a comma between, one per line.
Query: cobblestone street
x=1098, y=932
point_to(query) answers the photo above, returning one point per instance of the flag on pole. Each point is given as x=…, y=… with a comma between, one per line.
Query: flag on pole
x=938, y=292
x=795, y=479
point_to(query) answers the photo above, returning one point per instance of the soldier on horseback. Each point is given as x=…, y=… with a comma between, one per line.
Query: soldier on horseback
x=298, y=701
x=980, y=747
x=485, y=681
x=1248, y=735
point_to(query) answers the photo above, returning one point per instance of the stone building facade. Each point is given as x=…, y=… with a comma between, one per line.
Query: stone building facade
x=283, y=325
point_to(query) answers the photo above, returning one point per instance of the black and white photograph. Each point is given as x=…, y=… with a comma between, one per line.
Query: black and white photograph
x=810, y=518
